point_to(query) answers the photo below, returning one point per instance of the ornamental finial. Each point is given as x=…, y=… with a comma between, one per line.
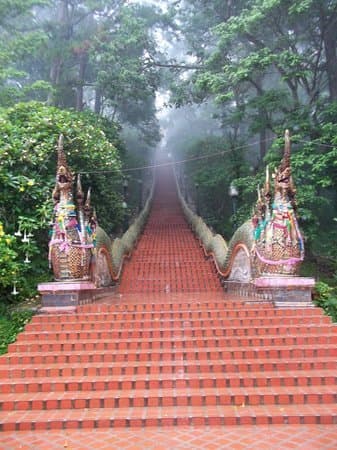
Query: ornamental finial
x=79, y=193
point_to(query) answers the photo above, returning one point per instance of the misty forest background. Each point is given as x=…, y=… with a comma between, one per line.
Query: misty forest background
x=195, y=78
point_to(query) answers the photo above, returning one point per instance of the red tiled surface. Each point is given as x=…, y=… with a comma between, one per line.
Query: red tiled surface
x=174, y=356
x=168, y=258
x=276, y=437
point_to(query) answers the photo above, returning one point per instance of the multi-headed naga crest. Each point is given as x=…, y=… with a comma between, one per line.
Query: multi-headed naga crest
x=73, y=231
x=278, y=248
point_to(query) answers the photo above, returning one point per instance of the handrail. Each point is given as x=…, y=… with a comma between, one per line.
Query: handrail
x=214, y=245
x=120, y=249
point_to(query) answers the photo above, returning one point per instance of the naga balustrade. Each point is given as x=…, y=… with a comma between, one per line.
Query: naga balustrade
x=263, y=257
x=82, y=256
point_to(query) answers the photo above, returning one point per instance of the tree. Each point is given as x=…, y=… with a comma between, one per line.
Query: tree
x=20, y=40
x=268, y=65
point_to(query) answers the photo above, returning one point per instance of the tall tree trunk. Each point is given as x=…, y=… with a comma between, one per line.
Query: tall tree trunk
x=55, y=73
x=98, y=100
x=329, y=33
x=331, y=60
x=62, y=15
x=263, y=141
x=263, y=114
x=83, y=59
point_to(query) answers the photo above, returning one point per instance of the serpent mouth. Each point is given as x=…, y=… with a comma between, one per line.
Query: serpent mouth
x=63, y=175
x=284, y=180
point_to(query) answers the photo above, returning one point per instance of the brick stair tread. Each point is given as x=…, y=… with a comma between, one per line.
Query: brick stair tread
x=324, y=377
x=181, y=342
x=170, y=316
x=220, y=303
x=184, y=350
x=237, y=366
x=249, y=312
x=229, y=395
x=251, y=324
x=169, y=416
x=217, y=331
x=175, y=354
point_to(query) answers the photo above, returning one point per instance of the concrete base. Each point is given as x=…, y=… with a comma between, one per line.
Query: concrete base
x=62, y=294
x=281, y=291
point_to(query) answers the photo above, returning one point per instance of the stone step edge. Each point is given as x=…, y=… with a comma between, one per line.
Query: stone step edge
x=221, y=344
x=162, y=308
x=234, y=396
x=184, y=352
x=322, y=377
x=238, y=330
x=185, y=335
x=170, y=416
x=242, y=365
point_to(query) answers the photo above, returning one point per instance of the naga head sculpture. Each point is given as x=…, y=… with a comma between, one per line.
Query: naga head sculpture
x=70, y=246
x=278, y=248
x=64, y=177
x=283, y=181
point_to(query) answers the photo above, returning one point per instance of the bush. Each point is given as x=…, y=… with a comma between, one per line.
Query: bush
x=28, y=137
x=12, y=323
x=325, y=297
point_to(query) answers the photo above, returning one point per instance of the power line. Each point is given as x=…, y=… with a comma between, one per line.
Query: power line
x=198, y=158
x=182, y=161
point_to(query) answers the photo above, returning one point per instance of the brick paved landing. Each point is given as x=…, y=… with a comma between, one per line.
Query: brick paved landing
x=277, y=437
x=174, y=356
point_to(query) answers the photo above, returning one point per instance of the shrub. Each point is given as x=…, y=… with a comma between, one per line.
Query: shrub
x=325, y=297
x=12, y=323
x=28, y=137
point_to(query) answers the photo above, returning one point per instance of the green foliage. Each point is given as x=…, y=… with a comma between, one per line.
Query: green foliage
x=325, y=297
x=20, y=40
x=9, y=265
x=28, y=136
x=11, y=324
x=124, y=74
x=212, y=176
x=265, y=63
x=93, y=54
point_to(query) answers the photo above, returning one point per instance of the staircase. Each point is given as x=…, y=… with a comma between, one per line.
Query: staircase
x=168, y=258
x=170, y=349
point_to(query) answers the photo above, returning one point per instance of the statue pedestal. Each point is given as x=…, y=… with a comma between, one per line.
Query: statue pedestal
x=68, y=294
x=282, y=291
x=286, y=291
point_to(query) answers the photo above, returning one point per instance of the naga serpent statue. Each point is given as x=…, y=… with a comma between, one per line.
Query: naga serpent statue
x=73, y=232
x=267, y=245
x=278, y=244
x=270, y=243
x=79, y=249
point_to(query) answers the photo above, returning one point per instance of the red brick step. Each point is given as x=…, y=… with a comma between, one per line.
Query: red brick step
x=171, y=416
